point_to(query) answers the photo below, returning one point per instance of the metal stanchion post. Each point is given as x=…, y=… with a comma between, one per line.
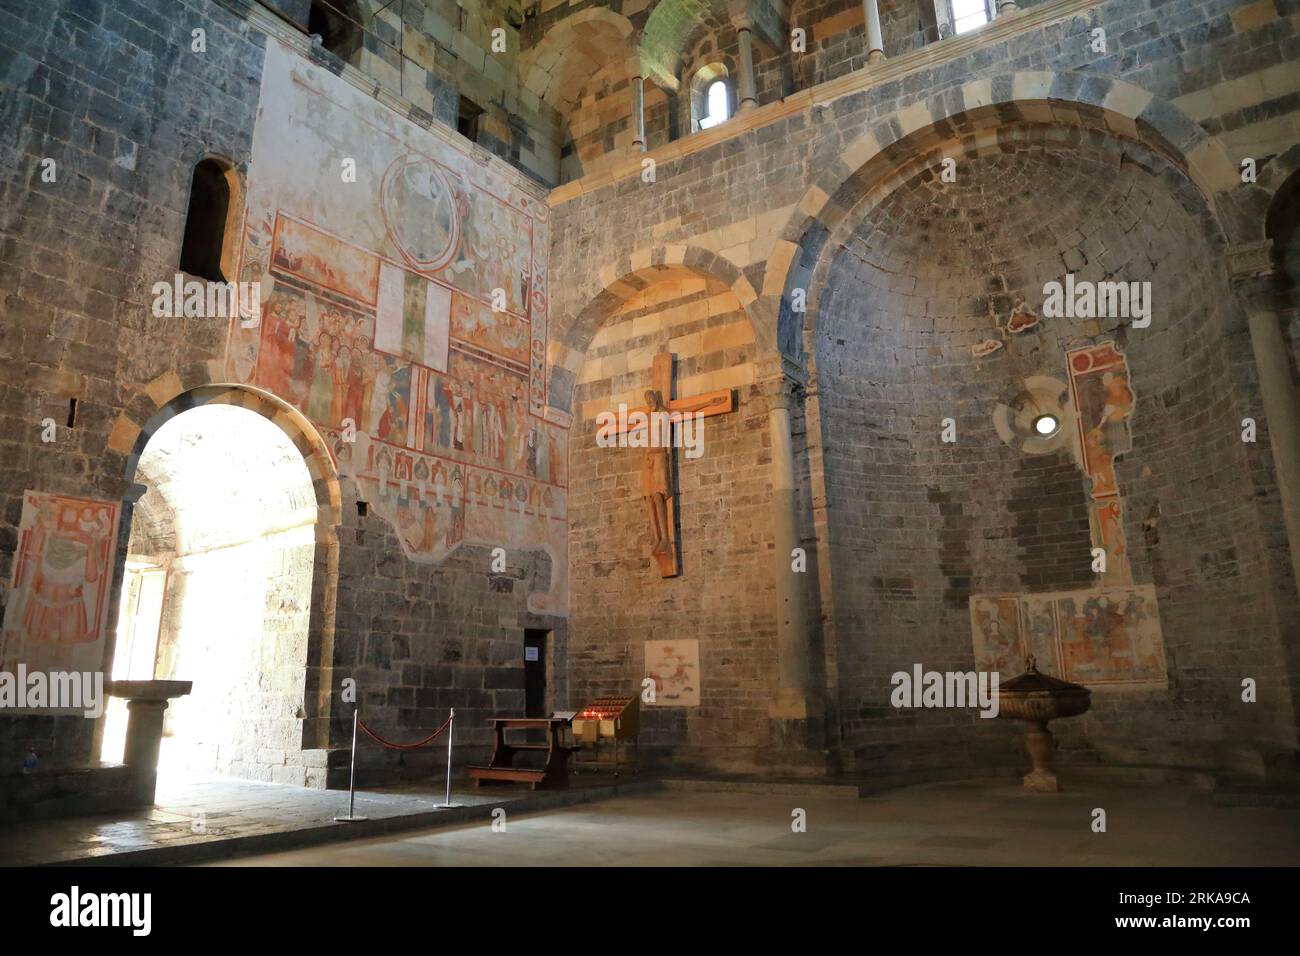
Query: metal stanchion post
x=451, y=730
x=352, y=777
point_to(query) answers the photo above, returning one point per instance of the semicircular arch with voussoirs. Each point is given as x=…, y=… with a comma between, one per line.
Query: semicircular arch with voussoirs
x=969, y=119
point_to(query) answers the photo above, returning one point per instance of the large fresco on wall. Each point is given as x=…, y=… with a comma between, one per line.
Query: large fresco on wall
x=404, y=313
x=55, y=617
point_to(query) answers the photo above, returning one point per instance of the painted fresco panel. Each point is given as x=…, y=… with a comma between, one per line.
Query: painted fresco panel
x=1039, y=633
x=1107, y=637
x=500, y=333
x=995, y=624
x=55, y=617
x=311, y=255
x=404, y=313
x=412, y=320
x=674, y=666
x=1111, y=637
x=1103, y=398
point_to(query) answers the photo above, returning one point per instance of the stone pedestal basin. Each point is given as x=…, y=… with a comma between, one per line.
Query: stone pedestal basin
x=1037, y=699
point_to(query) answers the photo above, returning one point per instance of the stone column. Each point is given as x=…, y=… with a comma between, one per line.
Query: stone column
x=875, y=39
x=1282, y=407
x=638, y=113
x=793, y=637
x=144, y=730
x=146, y=704
x=1252, y=269
x=748, y=98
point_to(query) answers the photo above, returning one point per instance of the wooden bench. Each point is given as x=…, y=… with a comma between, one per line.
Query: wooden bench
x=501, y=769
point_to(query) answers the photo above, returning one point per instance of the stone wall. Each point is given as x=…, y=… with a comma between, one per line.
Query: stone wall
x=836, y=35
x=791, y=198
x=419, y=641
x=112, y=93
x=107, y=91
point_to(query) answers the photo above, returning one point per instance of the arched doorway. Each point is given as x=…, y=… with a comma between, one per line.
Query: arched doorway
x=217, y=589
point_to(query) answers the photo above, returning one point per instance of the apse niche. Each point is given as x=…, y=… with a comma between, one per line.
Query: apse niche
x=1004, y=483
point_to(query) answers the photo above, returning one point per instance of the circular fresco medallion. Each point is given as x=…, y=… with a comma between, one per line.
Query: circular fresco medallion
x=419, y=210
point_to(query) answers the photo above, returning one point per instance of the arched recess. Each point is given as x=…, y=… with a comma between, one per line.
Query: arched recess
x=620, y=281
x=586, y=57
x=969, y=118
x=170, y=398
x=671, y=30
x=925, y=272
x=690, y=304
x=571, y=53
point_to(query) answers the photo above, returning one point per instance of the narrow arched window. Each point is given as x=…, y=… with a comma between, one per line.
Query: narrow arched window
x=717, y=104
x=205, y=221
x=969, y=14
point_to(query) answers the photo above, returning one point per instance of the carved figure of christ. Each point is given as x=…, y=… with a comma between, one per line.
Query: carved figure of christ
x=654, y=427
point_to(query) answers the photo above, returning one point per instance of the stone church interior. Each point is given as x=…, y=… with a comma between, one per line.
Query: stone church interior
x=641, y=433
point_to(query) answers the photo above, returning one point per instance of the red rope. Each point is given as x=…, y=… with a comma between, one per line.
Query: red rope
x=392, y=746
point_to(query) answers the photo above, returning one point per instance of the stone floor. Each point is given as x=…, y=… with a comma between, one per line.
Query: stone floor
x=948, y=824
x=686, y=823
x=217, y=817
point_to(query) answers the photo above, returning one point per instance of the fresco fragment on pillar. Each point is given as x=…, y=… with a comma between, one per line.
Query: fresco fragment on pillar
x=58, y=606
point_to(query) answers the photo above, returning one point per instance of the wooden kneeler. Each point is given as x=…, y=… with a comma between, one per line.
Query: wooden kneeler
x=553, y=776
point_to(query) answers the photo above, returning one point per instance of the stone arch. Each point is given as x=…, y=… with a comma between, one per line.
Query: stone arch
x=571, y=52
x=172, y=394
x=1075, y=140
x=1247, y=208
x=971, y=116
x=620, y=281
x=316, y=454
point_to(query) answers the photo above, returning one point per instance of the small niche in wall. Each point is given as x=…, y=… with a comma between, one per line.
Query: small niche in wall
x=363, y=509
x=467, y=117
x=213, y=191
x=72, y=413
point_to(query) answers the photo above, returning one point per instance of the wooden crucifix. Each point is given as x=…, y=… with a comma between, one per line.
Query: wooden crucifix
x=657, y=486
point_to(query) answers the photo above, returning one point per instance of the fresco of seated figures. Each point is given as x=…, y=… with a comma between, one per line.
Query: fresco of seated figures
x=404, y=313
x=1105, y=637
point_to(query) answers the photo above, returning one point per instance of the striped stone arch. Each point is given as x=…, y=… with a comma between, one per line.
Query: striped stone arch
x=620, y=281
x=169, y=397
x=176, y=392
x=969, y=118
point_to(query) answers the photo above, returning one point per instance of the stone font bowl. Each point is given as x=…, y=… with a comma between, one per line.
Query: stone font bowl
x=1038, y=698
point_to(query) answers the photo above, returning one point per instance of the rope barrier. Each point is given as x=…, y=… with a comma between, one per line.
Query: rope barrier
x=392, y=746
x=359, y=724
